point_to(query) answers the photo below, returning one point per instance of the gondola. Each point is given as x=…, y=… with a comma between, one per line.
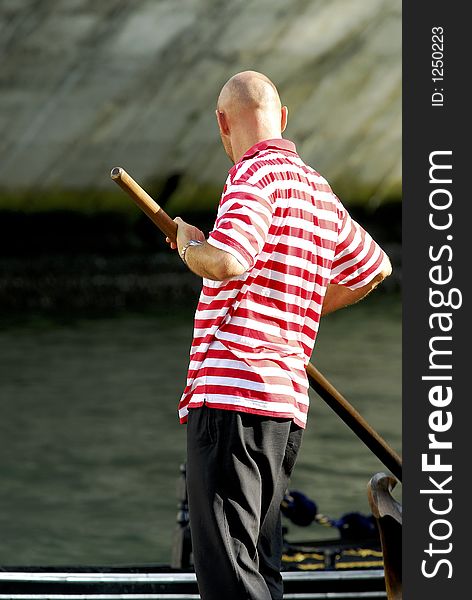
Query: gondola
x=350, y=566
x=146, y=582
x=332, y=569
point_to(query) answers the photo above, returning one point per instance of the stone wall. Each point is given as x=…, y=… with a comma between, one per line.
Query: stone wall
x=87, y=85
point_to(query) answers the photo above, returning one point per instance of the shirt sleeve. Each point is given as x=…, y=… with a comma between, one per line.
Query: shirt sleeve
x=358, y=258
x=243, y=222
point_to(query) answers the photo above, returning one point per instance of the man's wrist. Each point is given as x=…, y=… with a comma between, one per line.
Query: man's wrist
x=184, y=249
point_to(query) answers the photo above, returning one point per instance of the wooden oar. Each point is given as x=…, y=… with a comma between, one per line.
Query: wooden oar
x=149, y=206
x=319, y=383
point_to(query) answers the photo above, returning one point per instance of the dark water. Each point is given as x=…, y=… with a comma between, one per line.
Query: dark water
x=90, y=444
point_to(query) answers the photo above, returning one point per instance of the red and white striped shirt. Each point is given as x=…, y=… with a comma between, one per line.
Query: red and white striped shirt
x=254, y=334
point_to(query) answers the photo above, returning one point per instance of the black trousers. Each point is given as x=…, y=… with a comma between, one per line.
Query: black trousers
x=238, y=468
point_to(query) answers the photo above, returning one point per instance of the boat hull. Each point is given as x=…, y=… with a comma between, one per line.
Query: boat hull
x=158, y=582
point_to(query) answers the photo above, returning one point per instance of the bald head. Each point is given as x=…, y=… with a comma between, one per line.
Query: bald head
x=249, y=91
x=249, y=111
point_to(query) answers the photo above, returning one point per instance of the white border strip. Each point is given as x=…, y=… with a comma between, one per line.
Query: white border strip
x=99, y=596
x=68, y=577
x=300, y=596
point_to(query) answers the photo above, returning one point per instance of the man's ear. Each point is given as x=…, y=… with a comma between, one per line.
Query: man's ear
x=222, y=122
x=284, y=118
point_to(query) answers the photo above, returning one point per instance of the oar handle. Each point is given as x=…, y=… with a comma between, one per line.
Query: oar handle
x=147, y=204
x=355, y=421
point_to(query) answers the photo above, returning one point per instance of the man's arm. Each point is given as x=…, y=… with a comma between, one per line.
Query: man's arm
x=212, y=263
x=205, y=260
x=339, y=296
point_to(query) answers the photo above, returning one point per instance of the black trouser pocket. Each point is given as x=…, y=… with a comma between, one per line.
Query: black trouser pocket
x=292, y=449
x=201, y=422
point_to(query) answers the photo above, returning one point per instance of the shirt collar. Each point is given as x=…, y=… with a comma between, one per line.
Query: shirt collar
x=275, y=144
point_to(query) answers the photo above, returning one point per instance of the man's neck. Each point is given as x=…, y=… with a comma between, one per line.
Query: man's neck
x=239, y=150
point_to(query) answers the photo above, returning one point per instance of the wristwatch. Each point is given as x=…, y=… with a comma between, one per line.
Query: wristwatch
x=185, y=248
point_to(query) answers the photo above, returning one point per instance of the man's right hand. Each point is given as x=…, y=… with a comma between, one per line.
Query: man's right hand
x=185, y=233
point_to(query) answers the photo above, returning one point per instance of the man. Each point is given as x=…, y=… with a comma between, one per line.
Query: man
x=283, y=252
